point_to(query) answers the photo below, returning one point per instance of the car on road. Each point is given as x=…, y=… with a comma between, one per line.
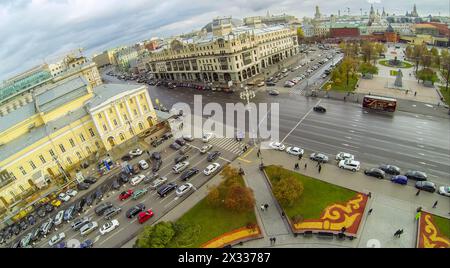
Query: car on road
x=319, y=109
x=90, y=199
x=78, y=223
x=90, y=180
x=56, y=203
x=211, y=169
x=175, y=146
x=271, y=83
x=68, y=213
x=183, y=189
x=180, y=141
x=88, y=228
x=375, y=172
x=46, y=227
x=207, y=137
x=416, y=175
x=56, y=239
x=59, y=217
x=213, y=156
x=83, y=186
x=349, y=164
x=87, y=244
x=156, y=155
x=109, y=227
x=138, y=193
x=277, y=146
x=205, y=148
x=343, y=156
x=319, y=157
x=71, y=192
x=110, y=212
x=135, y=210
x=158, y=182
x=126, y=194
x=188, y=137
x=274, y=92
x=79, y=205
x=145, y=216
x=35, y=234
x=143, y=164
x=156, y=165
x=444, y=190
x=151, y=177
x=25, y=241
x=400, y=179
x=137, y=179
x=180, y=166
x=64, y=197
x=426, y=186
x=135, y=152
x=295, y=151
x=189, y=173
x=100, y=209
x=166, y=189
x=181, y=158
x=390, y=169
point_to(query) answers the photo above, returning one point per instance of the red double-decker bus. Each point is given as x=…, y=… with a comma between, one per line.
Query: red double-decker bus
x=379, y=103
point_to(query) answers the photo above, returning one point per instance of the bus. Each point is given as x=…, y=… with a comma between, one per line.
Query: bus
x=379, y=103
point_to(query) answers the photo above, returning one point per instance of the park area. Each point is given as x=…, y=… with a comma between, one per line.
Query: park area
x=320, y=206
x=446, y=94
x=225, y=216
x=433, y=231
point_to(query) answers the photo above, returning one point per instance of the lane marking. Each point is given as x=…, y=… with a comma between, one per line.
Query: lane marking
x=301, y=120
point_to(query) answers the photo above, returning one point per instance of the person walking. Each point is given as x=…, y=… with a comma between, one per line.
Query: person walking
x=369, y=195
x=435, y=204
x=400, y=233
x=418, y=192
x=415, y=93
x=300, y=157
x=266, y=206
x=370, y=211
x=320, y=168
x=397, y=233
x=274, y=240
x=306, y=165
x=262, y=207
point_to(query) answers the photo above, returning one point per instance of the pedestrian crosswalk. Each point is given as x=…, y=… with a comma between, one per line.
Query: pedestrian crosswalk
x=228, y=144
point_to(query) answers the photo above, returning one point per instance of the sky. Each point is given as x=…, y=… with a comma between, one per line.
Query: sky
x=36, y=31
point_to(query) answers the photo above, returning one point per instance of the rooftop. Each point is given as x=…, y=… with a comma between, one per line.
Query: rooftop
x=106, y=91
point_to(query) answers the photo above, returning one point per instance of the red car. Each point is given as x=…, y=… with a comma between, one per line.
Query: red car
x=145, y=215
x=125, y=195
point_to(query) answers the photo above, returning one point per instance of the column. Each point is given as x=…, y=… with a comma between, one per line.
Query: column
x=108, y=120
x=118, y=114
x=138, y=103
x=99, y=129
x=130, y=114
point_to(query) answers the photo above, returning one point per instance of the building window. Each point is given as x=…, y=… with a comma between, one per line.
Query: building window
x=88, y=150
x=23, y=171
x=104, y=128
x=72, y=142
x=82, y=137
x=145, y=107
x=141, y=96
x=63, y=150
x=125, y=117
x=115, y=122
x=42, y=159
x=33, y=166
x=91, y=131
x=51, y=152
x=79, y=155
x=121, y=137
x=99, y=116
x=97, y=145
x=121, y=106
x=131, y=101
x=69, y=160
x=141, y=127
x=110, y=110
x=21, y=188
x=131, y=132
x=135, y=112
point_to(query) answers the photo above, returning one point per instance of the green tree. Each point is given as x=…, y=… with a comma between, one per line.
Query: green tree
x=300, y=33
x=156, y=236
x=366, y=67
x=367, y=50
x=427, y=74
x=288, y=190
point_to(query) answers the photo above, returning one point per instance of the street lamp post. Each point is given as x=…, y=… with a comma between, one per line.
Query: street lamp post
x=247, y=95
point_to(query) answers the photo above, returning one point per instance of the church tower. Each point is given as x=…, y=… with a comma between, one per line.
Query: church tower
x=317, y=15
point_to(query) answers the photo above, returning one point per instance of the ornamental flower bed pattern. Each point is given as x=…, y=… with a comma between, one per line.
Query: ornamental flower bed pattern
x=241, y=234
x=429, y=235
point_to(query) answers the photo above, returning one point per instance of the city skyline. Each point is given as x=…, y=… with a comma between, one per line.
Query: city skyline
x=98, y=25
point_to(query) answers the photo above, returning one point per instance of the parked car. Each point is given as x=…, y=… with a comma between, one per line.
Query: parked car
x=78, y=223
x=319, y=157
x=158, y=182
x=444, y=190
x=90, y=180
x=64, y=197
x=68, y=213
x=188, y=137
x=100, y=209
x=124, y=177
x=46, y=227
x=56, y=239
x=25, y=241
x=137, y=194
x=111, y=212
x=184, y=149
x=400, y=179
x=125, y=194
x=274, y=92
x=183, y=189
x=156, y=155
x=343, y=156
x=181, y=158
x=83, y=186
x=375, y=172
x=210, y=169
x=88, y=228
x=90, y=199
x=166, y=189
x=180, y=141
x=156, y=165
x=175, y=146
x=71, y=192
x=180, y=166
x=135, y=169
x=319, y=109
x=207, y=137
x=277, y=146
x=56, y=203
x=349, y=164
x=295, y=151
x=109, y=227
x=189, y=173
x=80, y=204
x=31, y=219
x=137, y=179
x=115, y=184
x=143, y=164
x=145, y=216
x=390, y=169
x=87, y=244
x=167, y=136
x=135, y=152
x=135, y=210
x=59, y=217
x=416, y=175
x=426, y=186
x=205, y=148
x=213, y=156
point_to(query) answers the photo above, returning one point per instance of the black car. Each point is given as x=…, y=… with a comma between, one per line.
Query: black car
x=100, y=209
x=41, y=212
x=80, y=204
x=135, y=210
x=157, y=142
x=49, y=208
x=156, y=155
x=23, y=225
x=111, y=212
x=115, y=184
x=175, y=146
x=90, y=180
x=124, y=178
x=271, y=83
x=319, y=109
x=126, y=157
x=98, y=194
x=167, y=188
x=180, y=141
x=213, y=156
x=35, y=234
x=375, y=172
x=416, y=175
x=31, y=219
x=390, y=169
x=319, y=157
x=167, y=136
x=189, y=173
x=426, y=186
x=181, y=158
x=90, y=199
x=83, y=186
x=156, y=165
x=16, y=229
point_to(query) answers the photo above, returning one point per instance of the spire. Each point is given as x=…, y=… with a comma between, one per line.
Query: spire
x=384, y=13
x=317, y=15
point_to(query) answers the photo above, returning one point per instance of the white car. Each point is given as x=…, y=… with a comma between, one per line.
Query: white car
x=188, y=137
x=184, y=189
x=59, y=218
x=56, y=239
x=211, y=168
x=109, y=226
x=444, y=190
x=277, y=146
x=295, y=150
x=135, y=152
x=88, y=228
x=143, y=164
x=295, y=80
x=289, y=84
x=207, y=137
x=349, y=164
x=180, y=166
x=158, y=182
x=137, y=179
x=71, y=192
x=205, y=148
x=342, y=156
x=64, y=197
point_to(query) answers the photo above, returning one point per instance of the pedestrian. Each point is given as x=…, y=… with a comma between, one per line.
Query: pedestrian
x=262, y=207
x=306, y=165
x=415, y=93
x=397, y=233
x=370, y=211
x=274, y=240
x=400, y=233
x=418, y=192
x=435, y=204
x=369, y=195
x=419, y=209
x=320, y=168
x=266, y=206
x=318, y=163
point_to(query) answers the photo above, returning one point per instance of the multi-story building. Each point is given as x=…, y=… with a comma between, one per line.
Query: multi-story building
x=125, y=56
x=228, y=53
x=66, y=123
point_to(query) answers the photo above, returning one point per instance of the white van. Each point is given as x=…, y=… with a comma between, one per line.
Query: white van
x=180, y=166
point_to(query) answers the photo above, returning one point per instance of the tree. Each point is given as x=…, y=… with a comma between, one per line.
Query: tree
x=427, y=74
x=288, y=190
x=347, y=67
x=229, y=172
x=368, y=50
x=213, y=197
x=239, y=198
x=445, y=68
x=156, y=236
x=366, y=67
x=300, y=33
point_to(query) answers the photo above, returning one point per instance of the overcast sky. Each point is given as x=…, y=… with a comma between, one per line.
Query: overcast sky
x=33, y=31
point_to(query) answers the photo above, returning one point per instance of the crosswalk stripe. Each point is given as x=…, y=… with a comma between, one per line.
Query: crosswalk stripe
x=228, y=144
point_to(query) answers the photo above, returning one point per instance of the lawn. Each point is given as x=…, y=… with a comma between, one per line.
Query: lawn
x=443, y=225
x=446, y=94
x=393, y=72
x=342, y=86
x=317, y=195
x=403, y=64
x=210, y=222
